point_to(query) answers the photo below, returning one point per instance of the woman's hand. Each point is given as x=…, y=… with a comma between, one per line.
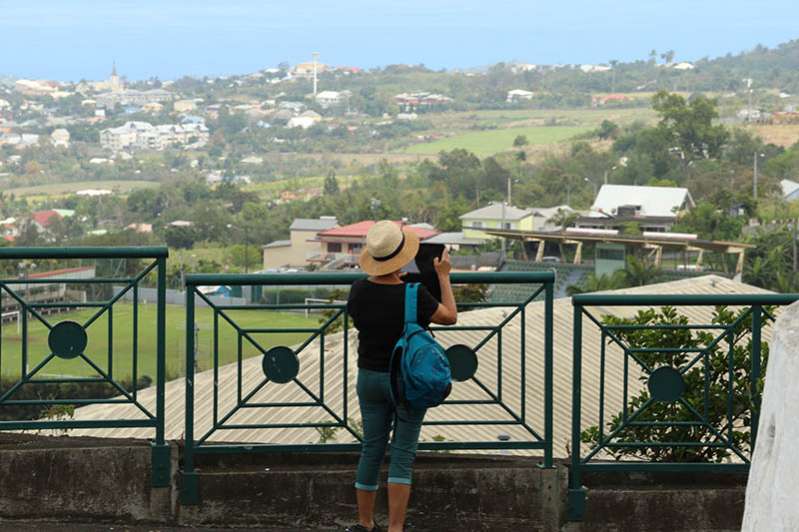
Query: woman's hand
x=443, y=265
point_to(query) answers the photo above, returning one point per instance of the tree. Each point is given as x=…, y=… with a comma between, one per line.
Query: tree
x=594, y=283
x=690, y=124
x=331, y=184
x=520, y=140
x=608, y=130
x=657, y=419
x=180, y=237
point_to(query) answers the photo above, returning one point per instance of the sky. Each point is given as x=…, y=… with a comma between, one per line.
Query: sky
x=79, y=39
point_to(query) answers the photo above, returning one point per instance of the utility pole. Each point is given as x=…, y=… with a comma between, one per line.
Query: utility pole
x=315, y=56
x=503, y=244
x=754, y=177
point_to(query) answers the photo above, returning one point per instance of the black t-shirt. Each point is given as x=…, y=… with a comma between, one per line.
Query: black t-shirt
x=378, y=312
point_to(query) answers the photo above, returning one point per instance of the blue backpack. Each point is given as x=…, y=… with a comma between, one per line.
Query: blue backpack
x=420, y=373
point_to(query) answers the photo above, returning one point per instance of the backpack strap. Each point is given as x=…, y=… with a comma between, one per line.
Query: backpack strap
x=411, y=300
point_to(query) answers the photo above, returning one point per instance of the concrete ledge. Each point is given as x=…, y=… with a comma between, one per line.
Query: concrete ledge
x=80, y=479
x=450, y=492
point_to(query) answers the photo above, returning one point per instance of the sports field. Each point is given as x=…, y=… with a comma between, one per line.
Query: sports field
x=122, y=340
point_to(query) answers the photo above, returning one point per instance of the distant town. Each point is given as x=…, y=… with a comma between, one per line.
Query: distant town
x=582, y=165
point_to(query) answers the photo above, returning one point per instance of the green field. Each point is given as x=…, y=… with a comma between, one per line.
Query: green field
x=122, y=338
x=484, y=143
x=66, y=189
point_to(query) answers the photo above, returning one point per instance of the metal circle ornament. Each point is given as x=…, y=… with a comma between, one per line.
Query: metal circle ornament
x=666, y=384
x=462, y=362
x=281, y=364
x=67, y=339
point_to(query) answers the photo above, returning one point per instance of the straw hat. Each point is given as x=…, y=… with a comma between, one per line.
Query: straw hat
x=388, y=248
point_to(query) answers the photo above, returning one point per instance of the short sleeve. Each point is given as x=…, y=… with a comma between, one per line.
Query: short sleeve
x=426, y=307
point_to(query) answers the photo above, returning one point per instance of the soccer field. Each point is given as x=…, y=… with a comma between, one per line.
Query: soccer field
x=122, y=340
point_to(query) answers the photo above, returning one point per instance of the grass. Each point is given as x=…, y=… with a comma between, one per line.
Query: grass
x=785, y=135
x=122, y=339
x=65, y=189
x=484, y=143
x=542, y=127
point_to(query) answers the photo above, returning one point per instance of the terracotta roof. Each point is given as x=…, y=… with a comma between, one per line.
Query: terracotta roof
x=62, y=271
x=359, y=230
x=45, y=218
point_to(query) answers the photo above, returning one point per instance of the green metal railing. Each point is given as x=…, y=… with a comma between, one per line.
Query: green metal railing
x=266, y=392
x=696, y=403
x=67, y=340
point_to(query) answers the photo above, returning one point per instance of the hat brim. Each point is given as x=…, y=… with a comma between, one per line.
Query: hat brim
x=383, y=267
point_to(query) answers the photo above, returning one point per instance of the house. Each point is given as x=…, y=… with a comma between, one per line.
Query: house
x=305, y=120
x=653, y=208
x=30, y=87
x=140, y=228
x=590, y=69
x=496, y=215
x=60, y=138
x=342, y=245
x=328, y=99
x=302, y=244
x=600, y=100
x=417, y=101
x=518, y=95
x=790, y=190
x=94, y=192
x=42, y=220
x=184, y=106
x=683, y=66
x=306, y=70
x=145, y=136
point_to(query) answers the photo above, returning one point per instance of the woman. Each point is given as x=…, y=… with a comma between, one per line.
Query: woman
x=377, y=307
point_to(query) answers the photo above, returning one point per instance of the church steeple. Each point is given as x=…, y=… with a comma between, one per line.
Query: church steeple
x=114, y=69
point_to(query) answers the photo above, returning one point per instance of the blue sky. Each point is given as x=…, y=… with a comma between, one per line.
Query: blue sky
x=74, y=39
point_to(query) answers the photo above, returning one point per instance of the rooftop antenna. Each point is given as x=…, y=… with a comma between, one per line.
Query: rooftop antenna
x=315, y=56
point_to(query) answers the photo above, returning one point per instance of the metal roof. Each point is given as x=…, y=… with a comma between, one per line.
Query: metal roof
x=487, y=372
x=654, y=201
x=666, y=241
x=494, y=212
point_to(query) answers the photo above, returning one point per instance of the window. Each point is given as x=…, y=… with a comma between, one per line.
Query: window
x=334, y=247
x=610, y=254
x=507, y=225
x=477, y=225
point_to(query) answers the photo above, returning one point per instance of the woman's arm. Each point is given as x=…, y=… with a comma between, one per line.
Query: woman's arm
x=447, y=311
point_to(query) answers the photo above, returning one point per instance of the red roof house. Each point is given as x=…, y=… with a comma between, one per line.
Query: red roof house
x=347, y=241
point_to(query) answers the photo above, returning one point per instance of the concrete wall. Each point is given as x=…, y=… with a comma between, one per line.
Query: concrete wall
x=89, y=480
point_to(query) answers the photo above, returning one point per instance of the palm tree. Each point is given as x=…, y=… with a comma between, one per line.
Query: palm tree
x=640, y=272
x=592, y=283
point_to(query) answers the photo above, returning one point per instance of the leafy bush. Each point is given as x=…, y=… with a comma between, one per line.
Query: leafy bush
x=740, y=328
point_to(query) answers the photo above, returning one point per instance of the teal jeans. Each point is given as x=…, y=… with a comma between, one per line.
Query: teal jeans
x=378, y=414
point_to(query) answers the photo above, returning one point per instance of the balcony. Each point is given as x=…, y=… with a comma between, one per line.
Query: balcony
x=659, y=378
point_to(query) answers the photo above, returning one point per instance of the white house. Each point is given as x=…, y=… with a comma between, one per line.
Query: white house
x=328, y=99
x=790, y=190
x=60, y=138
x=653, y=208
x=517, y=95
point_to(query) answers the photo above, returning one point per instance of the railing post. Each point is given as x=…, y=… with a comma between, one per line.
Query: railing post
x=576, y=501
x=757, y=323
x=161, y=460
x=548, y=372
x=189, y=491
